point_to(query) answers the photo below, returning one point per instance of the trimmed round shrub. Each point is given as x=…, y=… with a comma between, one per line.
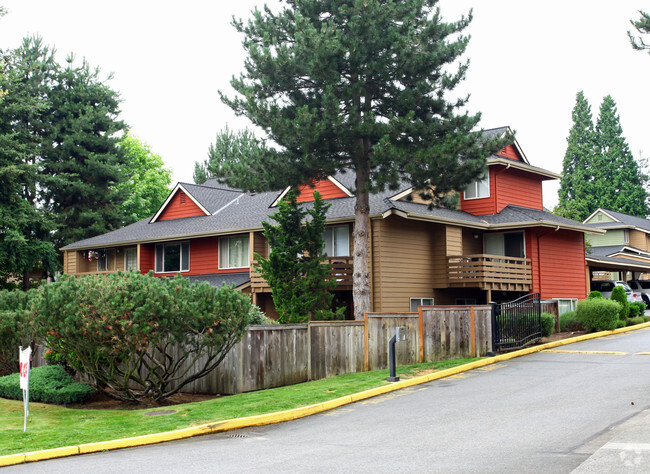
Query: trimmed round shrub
x=618, y=295
x=548, y=324
x=595, y=294
x=636, y=309
x=569, y=322
x=598, y=314
x=48, y=384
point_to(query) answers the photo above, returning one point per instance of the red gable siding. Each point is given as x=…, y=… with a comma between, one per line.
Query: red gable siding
x=507, y=186
x=558, y=263
x=518, y=188
x=180, y=206
x=511, y=152
x=326, y=188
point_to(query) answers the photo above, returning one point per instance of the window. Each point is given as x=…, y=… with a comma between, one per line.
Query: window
x=172, y=258
x=417, y=302
x=337, y=241
x=104, y=258
x=478, y=189
x=131, y=259
x=626, y=236
x=233, y=252
x=509, y=244
x=564, y=305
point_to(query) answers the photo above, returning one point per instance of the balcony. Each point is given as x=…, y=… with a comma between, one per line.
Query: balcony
x=341, y=272
x=489, y=272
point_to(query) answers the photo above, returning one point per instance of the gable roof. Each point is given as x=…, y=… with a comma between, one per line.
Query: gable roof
x=622, y=221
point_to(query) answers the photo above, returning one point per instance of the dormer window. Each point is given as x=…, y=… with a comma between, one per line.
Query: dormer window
x=478, y=189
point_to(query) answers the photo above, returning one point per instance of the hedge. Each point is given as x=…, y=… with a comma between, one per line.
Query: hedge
x=48, y=384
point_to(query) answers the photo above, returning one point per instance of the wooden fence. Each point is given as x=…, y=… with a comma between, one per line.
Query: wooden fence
x=276, y=355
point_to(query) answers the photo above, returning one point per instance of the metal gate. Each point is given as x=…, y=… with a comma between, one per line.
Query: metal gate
x=516, y=324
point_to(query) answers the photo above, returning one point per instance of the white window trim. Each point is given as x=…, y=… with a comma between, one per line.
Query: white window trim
x=475, y=183
x=347, y=228
x=221, y=239
x=155, y=257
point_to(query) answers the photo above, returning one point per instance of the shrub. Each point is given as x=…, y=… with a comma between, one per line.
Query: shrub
x=598, y=314
x=135, y=335
x=548, y=324
x=569, y=322
x=635, y=320
x=636, y=309
x=595, y=294
x=618, y=295
x=257, y=316
x=15, y=328
x=48, y=384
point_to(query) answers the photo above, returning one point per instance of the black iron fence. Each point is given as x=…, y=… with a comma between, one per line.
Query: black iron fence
x=516, y=324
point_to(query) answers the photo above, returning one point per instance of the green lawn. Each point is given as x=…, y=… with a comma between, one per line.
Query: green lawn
x=52, y=426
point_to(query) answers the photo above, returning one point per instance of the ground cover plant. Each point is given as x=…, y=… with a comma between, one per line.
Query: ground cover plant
x=48, y=384
x=53, y=426
x=139, y=337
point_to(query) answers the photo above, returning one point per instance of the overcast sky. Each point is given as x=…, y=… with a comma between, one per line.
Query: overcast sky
x=527, y=62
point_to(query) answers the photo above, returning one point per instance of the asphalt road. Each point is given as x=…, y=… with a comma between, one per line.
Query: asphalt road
x=546, y=412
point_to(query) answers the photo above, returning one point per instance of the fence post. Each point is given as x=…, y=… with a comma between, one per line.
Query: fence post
x=493, y=352
x=308, y=350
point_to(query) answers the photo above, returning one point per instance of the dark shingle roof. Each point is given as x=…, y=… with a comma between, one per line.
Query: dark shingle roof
x=639, y=222
x=220, y=279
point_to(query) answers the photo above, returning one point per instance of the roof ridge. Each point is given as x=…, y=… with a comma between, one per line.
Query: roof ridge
x=212, y=187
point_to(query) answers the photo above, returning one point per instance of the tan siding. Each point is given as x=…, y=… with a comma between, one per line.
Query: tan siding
x=454, y=239
x=403, y=251
x=638, y=239
x=470, y=244
x=375, y=263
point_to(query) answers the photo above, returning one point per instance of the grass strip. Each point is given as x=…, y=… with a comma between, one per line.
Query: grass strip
x=52, y=426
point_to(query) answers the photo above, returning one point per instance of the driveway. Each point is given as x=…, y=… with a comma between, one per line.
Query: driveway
x=546, y=412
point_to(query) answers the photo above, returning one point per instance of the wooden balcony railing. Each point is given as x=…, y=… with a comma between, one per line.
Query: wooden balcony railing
x=341, y=271
x=489, y=272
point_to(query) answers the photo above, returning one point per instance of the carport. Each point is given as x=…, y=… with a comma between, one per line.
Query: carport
x=626, y=268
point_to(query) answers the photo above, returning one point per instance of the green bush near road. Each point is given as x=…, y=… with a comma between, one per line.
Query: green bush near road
x=595, y=294
x=569, y=322
x=618, y=295
x=548, y=324
x=598, y=314
x=636, y=309
x=48, y=384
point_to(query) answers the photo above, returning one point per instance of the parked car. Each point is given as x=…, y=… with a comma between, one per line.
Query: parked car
x=606, y=287
x=643, y=287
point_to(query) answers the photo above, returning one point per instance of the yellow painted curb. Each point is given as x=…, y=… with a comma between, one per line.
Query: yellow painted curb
x=288, y=415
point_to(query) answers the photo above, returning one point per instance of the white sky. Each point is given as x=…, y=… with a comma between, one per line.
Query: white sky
x=528, y=61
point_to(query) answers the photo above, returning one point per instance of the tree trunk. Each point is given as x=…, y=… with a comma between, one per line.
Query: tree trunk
x=25, y=280
x=361, y=234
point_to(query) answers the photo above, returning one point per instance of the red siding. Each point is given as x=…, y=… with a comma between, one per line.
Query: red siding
x=511, y=152
x=180, y=206
x=326, y=188
x=507, y=186
x=146, y=258
x=558, y=263
x=518, y=188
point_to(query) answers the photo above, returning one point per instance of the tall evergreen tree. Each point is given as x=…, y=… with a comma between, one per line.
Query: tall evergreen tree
x=620, y=182
x=642, y=26
x=578, y=196
x=25, y=230
x=82, y=163
x=357, y=85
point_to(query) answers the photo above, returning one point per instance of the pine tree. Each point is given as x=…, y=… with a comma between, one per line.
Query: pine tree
x=620, y=182
x=642, y=26
x=360, y=86
x=25, y=233
x=301, y=285
x=82, y=163
x=578, y=198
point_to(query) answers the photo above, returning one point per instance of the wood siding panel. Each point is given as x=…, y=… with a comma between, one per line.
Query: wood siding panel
x=147, y=258
x=638, y=239
x=612, y=237
x=518, y=188
x=180, y=206
x=470, y=244
x=558, y=263
x=598, y=217
x=402, y=261
x=326, y=188
x=511, y=152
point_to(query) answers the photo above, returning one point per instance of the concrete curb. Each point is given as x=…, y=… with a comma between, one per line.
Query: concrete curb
x=293, y=414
